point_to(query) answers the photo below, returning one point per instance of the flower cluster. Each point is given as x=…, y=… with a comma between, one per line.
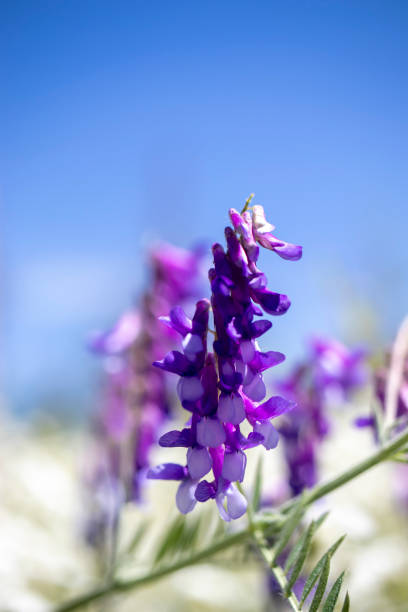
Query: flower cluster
x=224, y=388
x=330, y=374
x=136, y=395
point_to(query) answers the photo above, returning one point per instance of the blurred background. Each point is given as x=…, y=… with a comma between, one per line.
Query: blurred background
x=124, y=123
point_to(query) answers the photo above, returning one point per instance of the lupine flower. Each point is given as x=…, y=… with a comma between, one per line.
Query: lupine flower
x=137, y=395
x=332, y=372
x=224, y=388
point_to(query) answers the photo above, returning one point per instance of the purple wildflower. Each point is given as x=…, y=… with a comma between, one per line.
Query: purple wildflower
x=224, y=388
x=332, y=372
x=136, y=395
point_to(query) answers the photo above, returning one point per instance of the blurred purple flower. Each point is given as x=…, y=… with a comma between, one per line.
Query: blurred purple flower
x=331, y=373
x=136, y=395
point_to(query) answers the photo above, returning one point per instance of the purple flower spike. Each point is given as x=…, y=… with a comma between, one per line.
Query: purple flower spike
x=331, y=372
x=222, y=389
x=136, y=396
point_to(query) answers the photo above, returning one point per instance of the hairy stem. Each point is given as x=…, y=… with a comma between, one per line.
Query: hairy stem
x=117, y=586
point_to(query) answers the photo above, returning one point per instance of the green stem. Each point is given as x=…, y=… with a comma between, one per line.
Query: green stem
x=247, y=203
x=320, y=490
x=268, y=555
x=116, y=586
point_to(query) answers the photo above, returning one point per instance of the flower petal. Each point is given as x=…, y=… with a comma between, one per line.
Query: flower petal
x=231, y=408
x=174, y=362
x=273, y=303
x=167, y=471
x=272, y=408
x=271, y=436
x=204, y=491
x=210, y=432
x=256, y=389
x=178, y=320
x=190, y=389
x=185, y=499
x=176, y=438
x=199, y=462
x=236, y=502
x=234, y=466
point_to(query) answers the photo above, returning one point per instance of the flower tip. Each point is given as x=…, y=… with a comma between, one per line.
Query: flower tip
x=291, y=252
x=235, y=217
x=185, y=498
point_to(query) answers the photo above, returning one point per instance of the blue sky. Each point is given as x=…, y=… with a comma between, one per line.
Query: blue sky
x=124, y=122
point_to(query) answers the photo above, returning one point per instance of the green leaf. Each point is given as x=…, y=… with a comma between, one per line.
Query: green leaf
x=171, y=539
x=137, y=538
x=318, y=596
x=333, y=595
x=318, y=568
x=189, y=536
x=290, y=525
x=299, y=556
x=258, y=485
x=296, y=549
x=294, y=553
x=346, y=605
x=321, y=519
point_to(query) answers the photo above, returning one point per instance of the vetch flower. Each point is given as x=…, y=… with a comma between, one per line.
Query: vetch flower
x=223, y=388
x=136, y=398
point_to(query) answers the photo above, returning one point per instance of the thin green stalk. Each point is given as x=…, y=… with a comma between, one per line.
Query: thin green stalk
x=116, y=586
x=268, y=555
x=247, y=203
x=385, y=452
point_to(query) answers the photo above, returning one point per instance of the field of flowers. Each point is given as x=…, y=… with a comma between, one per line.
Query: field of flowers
x=204, y=482
x=200, y=411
